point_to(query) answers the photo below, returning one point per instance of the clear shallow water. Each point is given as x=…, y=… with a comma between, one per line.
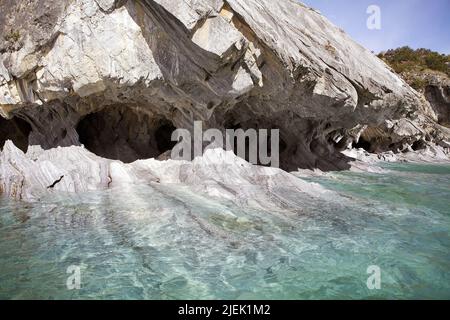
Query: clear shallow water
x=166, y=242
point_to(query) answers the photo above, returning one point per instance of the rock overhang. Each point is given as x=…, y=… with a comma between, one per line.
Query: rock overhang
x=278, y=62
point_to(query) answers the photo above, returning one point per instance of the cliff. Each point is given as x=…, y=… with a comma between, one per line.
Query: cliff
x=119, y=76
x=426, y=71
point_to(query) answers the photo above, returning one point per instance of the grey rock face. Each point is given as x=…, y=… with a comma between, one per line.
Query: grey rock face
x=138, y=69
x=421, y=130
x=437, y=92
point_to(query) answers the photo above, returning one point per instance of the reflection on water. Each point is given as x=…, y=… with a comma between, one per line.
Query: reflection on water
x=167, y=242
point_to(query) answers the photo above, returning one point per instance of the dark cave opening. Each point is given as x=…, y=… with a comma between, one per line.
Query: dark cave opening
x=419, y=145
x=16, y=130
x=363, y=144
x=163, y=136
x=245, y=126
x=125, y=134
x=301, y=141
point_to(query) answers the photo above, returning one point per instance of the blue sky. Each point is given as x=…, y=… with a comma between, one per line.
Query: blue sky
x=416, y=23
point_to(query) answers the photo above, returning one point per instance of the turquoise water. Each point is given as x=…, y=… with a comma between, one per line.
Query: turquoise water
x=166, y=242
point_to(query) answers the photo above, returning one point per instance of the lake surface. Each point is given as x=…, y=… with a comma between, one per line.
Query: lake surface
x=167, y=242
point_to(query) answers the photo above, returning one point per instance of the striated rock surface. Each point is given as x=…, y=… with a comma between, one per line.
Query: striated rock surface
x=29, y=176
x=119, y=76
x=426, y=71
x=425, y=129
x=437, y=92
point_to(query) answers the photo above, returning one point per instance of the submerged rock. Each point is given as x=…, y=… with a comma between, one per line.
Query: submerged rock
x=119, y=76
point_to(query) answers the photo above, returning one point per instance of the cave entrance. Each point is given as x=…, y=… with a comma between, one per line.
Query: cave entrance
x=163, y=136
x=419, y=145
x=16, y=130
x=122, y=133
x=254, y=125
x=363, y=144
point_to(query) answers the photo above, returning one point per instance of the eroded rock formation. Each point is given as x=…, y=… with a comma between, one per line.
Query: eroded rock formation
x=119, y=76
x=437, y=92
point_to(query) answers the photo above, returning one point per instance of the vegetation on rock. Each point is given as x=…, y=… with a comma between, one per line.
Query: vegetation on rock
x=426, y=71
x=409, y=63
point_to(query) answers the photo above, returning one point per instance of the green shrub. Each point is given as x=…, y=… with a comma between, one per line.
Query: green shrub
x=418, y=84
x=405, y=59
x=13, y=36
